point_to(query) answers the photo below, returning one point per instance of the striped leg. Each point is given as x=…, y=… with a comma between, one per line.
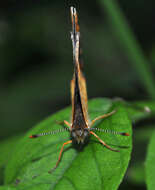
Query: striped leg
x=66, y=123
x=100, y=140
x=102, y=117
x=60, y=154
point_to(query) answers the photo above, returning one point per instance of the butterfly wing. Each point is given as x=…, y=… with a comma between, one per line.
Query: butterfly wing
x=78, y=83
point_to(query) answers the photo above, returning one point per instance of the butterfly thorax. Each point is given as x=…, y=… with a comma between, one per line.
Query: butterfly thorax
x=80, y=131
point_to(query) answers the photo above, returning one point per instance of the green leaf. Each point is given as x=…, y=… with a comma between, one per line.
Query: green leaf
x=95, y=164
x=5, y=150
x=138, y=110
x=7, y=188
x=5, y=153
x=150, y=166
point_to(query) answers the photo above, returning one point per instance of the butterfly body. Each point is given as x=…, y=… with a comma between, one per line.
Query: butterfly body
x=80, y=126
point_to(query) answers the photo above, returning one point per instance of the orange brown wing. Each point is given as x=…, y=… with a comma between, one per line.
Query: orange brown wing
x=72, y=86
x=83, y=94
x=78, y=83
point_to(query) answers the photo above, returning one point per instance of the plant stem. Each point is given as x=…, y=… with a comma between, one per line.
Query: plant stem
x=133, y=50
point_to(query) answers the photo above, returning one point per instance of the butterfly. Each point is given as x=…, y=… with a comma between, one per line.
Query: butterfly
x=80, y=126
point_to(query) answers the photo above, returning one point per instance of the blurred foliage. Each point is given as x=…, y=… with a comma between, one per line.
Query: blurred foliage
x=150, y=166
x=36, y=60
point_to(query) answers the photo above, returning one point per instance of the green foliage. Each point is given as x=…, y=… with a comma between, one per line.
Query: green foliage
x=136, y=171
x=7, y=188
x=5, y=150
x=33, y=158
x=150, y=164
x=128, y=41
x=5, y=153
x=140, y=109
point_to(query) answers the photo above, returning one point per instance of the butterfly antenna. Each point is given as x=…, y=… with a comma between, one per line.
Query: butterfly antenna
x=49, y=133
x=110, y=131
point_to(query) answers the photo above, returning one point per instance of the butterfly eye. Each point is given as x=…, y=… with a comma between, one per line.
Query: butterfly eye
x=73, y=134
x=86, y=132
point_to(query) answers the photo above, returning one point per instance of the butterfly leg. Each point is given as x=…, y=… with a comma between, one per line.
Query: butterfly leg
x=60, y=154
x=100, y=140
x=102, y=117
x=66, y=123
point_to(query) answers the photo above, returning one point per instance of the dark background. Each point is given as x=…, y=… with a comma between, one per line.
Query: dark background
x=36, y=56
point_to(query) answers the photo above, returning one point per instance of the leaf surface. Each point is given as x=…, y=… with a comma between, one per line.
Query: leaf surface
x=150, y=166
x=7, y=188
x=94, y=167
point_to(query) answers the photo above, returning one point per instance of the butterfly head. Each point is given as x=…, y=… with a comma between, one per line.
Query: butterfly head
x=80, y=135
